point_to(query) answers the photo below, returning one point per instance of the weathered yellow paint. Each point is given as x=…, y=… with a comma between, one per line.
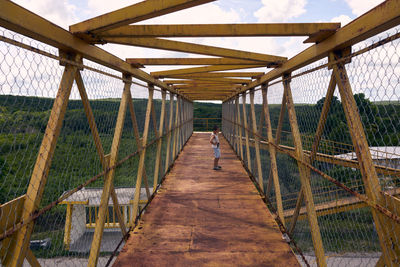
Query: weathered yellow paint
x=42, y=166
x=10, y=214
x=142, y=154
x=289, y=214
x=190, y=61
x=272, y=155
x=209, y=86
x=176, y=130
x=138, y=140
x=30, y=257
x=304, y=177
x=179, y=46
x=68, y=224
x=109, y=178
x=239, y=128
x=367, y=169
x=96, y=137
x=330, y=159
x=159, y=142
x=134, y=13
x=223, y=30
x=195, y=82
x=216, y=74
x=171, y=111
x=257, y=141
x=277, y=139
x=246, y=133
x=167, y=73
x=209, y=80
x=317, y=139
x=22, y=21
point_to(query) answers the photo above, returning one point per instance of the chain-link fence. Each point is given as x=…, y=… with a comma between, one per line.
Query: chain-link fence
x=316, y=139
x=66, y=128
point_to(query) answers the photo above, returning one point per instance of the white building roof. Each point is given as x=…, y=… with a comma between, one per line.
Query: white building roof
x=377, y=153
x=93, y=195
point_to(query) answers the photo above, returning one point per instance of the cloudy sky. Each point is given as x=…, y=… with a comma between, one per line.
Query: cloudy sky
x=67, y=12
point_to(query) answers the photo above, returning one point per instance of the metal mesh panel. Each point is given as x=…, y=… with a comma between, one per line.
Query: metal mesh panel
x=64, y=226
x=348, y=229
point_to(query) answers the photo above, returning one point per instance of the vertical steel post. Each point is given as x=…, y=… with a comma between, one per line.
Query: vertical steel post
x=142, y=154
x=246, y=134
x=239, y=125
x=41, y=169
x=272, y=153
x=169, y=135
x=159, y=142
x=304, y=176
x=109, y=179
x=367, y=168
x=96, y=137
x=256, y=141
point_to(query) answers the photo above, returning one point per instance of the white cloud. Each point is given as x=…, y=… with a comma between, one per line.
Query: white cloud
x=59, y=12
x=280, y=11
x=343, y=19
x=208, y=13
x=99, y=7
x=359, y=7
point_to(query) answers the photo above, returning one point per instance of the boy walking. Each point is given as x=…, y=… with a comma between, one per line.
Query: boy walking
x=214, y=140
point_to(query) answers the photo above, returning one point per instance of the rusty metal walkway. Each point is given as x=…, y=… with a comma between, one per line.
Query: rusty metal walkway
x=202, y=217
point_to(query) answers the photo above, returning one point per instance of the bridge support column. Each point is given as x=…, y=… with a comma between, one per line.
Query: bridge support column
x=142, y=157
x=159, y=141
x=277, y=140
x=246, y=132
x=169, y=135
x=314, y=148
x=272, y=154
x=176, y=129
x=256, y=141
x=388, y=231
x=105, y=160
x=239, y=129
x=304, y=175
x=109, y=178
x=20, y=241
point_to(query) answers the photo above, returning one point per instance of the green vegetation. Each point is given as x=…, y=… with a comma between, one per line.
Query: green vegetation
x=211, y=111
x=24, y=119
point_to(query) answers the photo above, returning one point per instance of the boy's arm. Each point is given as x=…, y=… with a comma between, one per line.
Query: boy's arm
x=212, y=139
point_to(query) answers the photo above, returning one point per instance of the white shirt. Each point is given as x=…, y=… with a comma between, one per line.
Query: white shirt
x=215, y=140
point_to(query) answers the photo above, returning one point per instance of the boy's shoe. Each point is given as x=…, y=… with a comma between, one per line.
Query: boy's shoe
x=216, y=169
x=219, y=167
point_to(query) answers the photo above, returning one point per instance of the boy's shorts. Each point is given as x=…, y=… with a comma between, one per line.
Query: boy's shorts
x=217, y=153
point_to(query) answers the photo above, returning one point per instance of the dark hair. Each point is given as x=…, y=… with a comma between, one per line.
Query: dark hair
x=215, y=127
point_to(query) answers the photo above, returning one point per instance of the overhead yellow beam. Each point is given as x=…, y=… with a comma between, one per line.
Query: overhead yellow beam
x=377, y=20
x=206, y=92
x=223, y=30
x=157, y=43
x=190, y=61
x=167, y=73
x=216, y=74
x=193, y=82
x=133, y=13
x=22, y=21
x=206, y=84
x=216, y=80
x=210, y=87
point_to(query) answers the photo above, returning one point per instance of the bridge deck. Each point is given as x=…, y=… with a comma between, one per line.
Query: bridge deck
x=206, y=217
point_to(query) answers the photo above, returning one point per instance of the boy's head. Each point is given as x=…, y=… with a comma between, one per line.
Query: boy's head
x=215, y=128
